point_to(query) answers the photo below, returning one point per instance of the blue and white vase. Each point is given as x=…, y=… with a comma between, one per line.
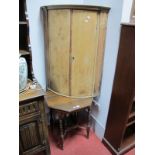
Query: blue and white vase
x=23, y=73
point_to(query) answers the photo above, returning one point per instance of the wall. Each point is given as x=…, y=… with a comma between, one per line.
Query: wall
x=112, y=40
x=127, y=5
x=100, y=112
x=37, y=36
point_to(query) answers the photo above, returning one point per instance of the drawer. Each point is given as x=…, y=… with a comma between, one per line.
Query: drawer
x=28, y=108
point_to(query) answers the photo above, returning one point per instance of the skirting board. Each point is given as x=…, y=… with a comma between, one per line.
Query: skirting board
x=99, y=131
x=114, y=151
x=97, y=127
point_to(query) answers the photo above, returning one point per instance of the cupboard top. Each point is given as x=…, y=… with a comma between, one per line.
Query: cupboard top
x=80, y=7
x=31, y=93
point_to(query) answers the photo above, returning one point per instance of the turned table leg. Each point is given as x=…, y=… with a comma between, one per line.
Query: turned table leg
x=47, y=151
x=61, y=134
x=88, y=124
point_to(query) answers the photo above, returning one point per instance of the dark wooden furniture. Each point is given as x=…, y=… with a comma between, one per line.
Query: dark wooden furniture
x=63, y=106
x=120, y=127
x=24, y=41
x=33, y=133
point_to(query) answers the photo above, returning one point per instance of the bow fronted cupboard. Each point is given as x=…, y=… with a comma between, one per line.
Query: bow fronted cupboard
x=75, y=42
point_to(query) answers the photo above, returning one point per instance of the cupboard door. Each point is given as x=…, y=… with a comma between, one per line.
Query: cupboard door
x=58, y=50
x=100, y=51
x=31, y=135
x=83, y=51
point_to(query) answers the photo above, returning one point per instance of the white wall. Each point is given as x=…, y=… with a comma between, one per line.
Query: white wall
x=120, y=12
x=111, y=50
x=127, y=5
x=112, y=40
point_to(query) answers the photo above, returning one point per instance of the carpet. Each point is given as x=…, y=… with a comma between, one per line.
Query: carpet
x=76, y=143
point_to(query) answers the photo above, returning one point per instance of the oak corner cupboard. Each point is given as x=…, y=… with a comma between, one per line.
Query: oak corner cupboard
x=74, y=44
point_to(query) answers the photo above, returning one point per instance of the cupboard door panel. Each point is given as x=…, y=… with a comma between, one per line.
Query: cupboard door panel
x=83, y=52
x=29, y=135
x=100, y=52
x=58, y=50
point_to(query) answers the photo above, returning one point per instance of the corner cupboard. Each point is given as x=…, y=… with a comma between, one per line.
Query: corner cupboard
x=75, y=43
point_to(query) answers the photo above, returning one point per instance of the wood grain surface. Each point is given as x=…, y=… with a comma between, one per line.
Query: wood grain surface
x=100, y=51
x=66, y=104
x=84, y=47
x=75, y=43
x=59, y=47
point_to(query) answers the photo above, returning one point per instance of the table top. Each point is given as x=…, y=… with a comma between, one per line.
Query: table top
x=66, y=104
x=33, y=91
